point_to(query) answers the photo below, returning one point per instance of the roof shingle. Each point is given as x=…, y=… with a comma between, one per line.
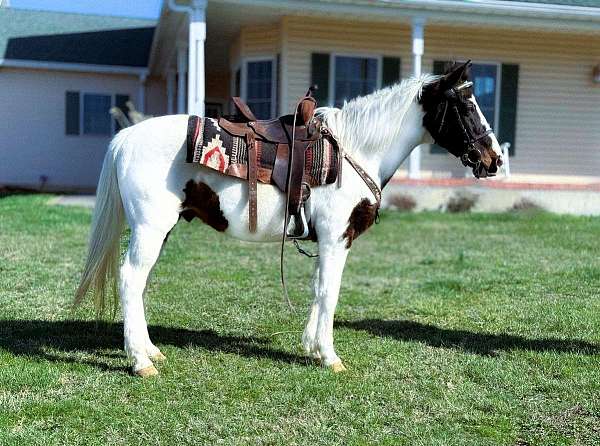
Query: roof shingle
x=74, y=38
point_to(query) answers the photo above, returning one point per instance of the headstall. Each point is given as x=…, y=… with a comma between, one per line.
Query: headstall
x=471, y=156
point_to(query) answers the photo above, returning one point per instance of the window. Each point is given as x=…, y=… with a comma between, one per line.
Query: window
x=96, y=114
x=89, y=113
x=369, y=73
x=354, y=76
x=485, y=88
x=260, y=86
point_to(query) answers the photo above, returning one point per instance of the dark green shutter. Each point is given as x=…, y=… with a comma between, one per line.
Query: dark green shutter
x=120, y=100
x=390, y=71
x=507, y=127
x=72, y=113
x=439, y=66
x=320, y=77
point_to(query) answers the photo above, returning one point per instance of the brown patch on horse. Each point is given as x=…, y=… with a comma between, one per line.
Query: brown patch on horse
x=202, y=202
x=362, y=218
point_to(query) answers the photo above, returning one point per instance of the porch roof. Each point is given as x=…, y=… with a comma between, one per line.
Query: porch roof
x=226, y=17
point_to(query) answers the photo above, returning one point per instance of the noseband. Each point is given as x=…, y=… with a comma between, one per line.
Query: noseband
x=471, y=156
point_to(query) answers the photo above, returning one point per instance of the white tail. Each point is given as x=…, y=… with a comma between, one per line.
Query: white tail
x=102, y=264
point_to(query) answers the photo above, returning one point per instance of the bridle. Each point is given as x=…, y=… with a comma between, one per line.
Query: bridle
x=471, y=155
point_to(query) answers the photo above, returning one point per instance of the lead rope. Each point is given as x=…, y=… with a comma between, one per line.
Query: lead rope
x=286, y=212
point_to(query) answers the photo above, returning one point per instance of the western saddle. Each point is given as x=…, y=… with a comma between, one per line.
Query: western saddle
x=292, y=134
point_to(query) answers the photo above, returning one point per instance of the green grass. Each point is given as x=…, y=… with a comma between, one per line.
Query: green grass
x=456, y=329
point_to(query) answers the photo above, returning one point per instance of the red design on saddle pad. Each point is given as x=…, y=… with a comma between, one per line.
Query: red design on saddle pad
x=214, y=156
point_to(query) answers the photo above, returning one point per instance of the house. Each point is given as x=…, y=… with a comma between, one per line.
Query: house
x=536, y=71
x=59, y=75
x=534, y=64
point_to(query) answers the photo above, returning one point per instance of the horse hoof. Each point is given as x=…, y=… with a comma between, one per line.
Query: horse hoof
x=158, y=357
x=146, y=372
x=337, y=367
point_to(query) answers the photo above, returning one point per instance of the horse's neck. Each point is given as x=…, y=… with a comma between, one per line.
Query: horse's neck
x=382, y=158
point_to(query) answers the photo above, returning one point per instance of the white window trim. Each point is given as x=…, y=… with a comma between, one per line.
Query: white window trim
x=113, y=124
x=332, y=56
x=244, y=78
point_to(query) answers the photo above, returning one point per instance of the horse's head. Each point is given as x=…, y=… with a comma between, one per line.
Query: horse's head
x=455, y=121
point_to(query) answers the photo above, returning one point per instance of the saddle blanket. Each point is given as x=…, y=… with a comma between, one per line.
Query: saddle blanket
x=213, y=147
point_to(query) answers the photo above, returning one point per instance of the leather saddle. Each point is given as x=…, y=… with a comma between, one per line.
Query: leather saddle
x=292, y=134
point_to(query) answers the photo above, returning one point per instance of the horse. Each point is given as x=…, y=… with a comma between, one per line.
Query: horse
x=144, y=175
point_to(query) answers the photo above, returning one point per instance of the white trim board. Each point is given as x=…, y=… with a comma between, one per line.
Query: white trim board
x=479, y=12
x=77, y=67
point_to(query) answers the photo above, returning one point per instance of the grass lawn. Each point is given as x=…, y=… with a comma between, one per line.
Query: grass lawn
x=456, y=329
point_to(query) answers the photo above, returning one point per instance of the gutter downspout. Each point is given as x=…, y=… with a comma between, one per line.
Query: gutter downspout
x=196, y=12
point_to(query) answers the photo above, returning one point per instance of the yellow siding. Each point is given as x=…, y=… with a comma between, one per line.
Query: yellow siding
x=558, y=116
x=558, y=113
x=235, y=51
x=309, y=36
x=263, y=40
x=251, y=42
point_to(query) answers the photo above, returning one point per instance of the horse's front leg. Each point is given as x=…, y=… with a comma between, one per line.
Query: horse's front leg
x=332, y=258
x=309, y=337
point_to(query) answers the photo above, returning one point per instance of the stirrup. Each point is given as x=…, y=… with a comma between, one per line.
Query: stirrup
x=297, y=226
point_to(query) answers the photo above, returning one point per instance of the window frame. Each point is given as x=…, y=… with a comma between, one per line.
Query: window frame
x=332, y=61
x=244, y=77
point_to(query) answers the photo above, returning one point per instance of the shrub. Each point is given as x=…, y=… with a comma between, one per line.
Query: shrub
x=402, y=202
x=461, y=202
x=525, y=204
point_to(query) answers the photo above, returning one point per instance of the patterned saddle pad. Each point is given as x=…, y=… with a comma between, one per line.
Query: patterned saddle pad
x=213, y=147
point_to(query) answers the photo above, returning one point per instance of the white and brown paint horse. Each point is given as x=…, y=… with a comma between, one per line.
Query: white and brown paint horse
x=145, y=173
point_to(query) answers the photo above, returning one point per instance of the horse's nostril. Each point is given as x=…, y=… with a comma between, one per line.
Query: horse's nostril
x=499, y=162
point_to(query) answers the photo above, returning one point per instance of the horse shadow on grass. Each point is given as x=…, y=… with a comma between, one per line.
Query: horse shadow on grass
x=100, y=344
x=484, y=344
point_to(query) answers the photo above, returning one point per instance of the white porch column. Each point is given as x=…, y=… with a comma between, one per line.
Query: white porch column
x=181, y=77
x=418, y=47
x=170, y=92
x=197, y=37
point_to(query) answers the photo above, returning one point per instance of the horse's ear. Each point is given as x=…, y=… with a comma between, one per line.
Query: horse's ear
x=455, y=75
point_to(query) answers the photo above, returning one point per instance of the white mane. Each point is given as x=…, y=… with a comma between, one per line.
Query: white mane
x=373, y=122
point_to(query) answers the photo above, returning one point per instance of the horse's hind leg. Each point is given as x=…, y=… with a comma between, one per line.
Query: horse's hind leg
x=144, y=248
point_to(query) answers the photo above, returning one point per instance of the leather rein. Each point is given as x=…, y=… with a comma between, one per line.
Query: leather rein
x=368, y=180
x=471, y=156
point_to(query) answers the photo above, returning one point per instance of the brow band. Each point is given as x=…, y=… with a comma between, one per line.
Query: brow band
x=463, y=86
